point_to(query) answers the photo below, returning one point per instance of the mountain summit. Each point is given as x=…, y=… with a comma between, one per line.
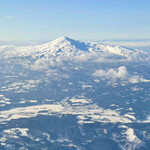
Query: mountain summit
x=63, y=46
x=79, y=45
x=66, y=46
x=66, y=42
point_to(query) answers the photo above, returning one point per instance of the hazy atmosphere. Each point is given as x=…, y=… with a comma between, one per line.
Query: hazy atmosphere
x=78, y=19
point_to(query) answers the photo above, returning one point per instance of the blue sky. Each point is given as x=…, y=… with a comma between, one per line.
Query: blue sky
x=78, y=19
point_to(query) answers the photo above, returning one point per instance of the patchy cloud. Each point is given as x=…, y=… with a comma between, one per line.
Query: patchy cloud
x=84, y=56
x=45, y=63
x=121, y=72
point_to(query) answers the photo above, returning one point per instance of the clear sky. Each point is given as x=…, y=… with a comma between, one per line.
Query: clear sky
x=78, y=19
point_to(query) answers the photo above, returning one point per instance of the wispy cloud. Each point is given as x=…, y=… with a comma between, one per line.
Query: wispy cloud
x=137, y=44
x=9, y=17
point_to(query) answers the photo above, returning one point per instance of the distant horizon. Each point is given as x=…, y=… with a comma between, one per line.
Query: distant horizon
x=126, y=39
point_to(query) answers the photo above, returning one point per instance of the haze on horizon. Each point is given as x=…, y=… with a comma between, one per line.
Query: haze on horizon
x=82, y=20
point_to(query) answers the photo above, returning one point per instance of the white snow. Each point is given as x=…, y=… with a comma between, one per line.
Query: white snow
x=4, y=100
x=54, y=54
x=91, y=111
x=83, y=101
x=21, y=87
x=64, y=48
x=130, y=116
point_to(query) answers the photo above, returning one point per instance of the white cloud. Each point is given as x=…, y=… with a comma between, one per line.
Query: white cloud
x=45, y=63
x=121, y=72
x=84, y=56
x=136, y=79
x=134, y=44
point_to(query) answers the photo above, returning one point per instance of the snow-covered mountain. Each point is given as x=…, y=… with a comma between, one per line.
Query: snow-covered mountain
x=67, y=47
x=68, y=94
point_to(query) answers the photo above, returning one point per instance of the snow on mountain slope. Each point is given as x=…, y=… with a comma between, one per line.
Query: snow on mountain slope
x=63, y=49
x=63, y=44
x=67, y=47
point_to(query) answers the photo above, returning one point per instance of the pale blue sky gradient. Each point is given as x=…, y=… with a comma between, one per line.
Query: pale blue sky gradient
x=78, y=19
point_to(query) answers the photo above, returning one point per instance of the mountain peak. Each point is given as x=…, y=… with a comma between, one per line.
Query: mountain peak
x=68, y=41
x=62, y=39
